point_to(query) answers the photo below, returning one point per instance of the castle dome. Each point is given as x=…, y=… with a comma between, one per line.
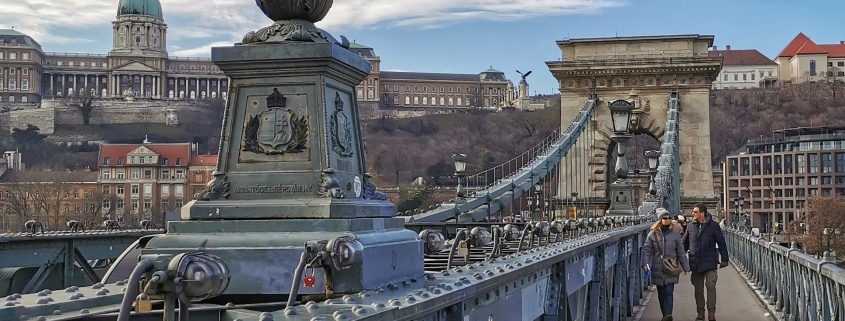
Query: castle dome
x=151, y=8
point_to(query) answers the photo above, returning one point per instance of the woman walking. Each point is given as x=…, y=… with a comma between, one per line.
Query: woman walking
x=664, y=243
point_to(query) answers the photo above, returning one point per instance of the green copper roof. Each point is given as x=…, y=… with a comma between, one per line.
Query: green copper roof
x=491, y=70
x=150, y=8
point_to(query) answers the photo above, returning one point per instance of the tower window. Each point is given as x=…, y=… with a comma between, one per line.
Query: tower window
x=138, y=40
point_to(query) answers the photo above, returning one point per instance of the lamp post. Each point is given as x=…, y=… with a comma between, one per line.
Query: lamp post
x=538, y=202
x=739, y=203
x=574, y=198
x=620, y=190
x=460, y=171
x=653, y=160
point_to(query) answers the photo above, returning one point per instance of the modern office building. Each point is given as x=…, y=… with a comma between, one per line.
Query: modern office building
x=776, y=174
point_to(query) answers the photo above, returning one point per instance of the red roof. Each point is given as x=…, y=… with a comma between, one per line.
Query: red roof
x=834, y=51
x=203, y=160
x=792, y=48
x=743, y=57
x=801, y=45
x=169, y=151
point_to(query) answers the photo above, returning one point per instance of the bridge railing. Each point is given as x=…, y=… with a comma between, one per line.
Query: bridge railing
x=544, y=158
x=795, y=285
x=667, y=183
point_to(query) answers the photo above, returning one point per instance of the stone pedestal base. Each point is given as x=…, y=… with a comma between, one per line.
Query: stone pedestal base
x=289, y=208
x=262, y=255
x=620, y=199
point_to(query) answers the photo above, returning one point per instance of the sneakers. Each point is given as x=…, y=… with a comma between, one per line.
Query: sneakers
x=667, y=317
x=700, y=316
x=711, y=316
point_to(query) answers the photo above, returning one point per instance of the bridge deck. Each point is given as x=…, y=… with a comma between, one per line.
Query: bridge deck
x=735, y=300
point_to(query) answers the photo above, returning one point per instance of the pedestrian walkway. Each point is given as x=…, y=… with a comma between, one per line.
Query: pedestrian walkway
x=734, y=300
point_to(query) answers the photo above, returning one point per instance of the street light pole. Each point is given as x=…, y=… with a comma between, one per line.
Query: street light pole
x=460, y=172
x=653, y=159
x=620, y=189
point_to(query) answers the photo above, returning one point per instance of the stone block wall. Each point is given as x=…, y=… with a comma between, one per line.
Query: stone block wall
x=44, y=118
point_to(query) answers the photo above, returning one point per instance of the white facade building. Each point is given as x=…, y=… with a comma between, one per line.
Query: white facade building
x=745, y=68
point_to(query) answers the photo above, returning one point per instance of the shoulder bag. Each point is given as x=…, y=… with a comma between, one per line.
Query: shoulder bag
x=671, y=267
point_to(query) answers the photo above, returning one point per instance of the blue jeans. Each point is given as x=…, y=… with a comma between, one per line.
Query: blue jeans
x=666, y=297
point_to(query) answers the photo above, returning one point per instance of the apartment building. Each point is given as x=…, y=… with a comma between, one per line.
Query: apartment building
x=144, y=180
x=776, y=174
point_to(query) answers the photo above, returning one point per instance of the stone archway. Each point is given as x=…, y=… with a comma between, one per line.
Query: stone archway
x=639, y=69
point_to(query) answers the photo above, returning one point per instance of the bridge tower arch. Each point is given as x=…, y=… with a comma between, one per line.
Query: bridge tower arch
x=644, y=70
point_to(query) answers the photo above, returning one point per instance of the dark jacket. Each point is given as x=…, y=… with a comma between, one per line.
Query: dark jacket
x=701, y=240
x=672, y=247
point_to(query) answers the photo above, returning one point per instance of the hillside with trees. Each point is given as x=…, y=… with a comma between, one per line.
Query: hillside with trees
x=737, y=116
x=400, y=150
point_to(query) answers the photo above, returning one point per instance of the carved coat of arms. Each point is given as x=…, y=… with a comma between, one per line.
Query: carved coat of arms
x=277, y=130
x=341, y=130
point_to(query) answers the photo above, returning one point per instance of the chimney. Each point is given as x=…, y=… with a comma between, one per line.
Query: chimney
x=842, y=42
x=715, y=48
x=728, y=47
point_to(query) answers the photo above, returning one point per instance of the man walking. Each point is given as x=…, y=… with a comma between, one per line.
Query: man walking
x=701, y=240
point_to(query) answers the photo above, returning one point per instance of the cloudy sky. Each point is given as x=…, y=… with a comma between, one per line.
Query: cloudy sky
x=466, y=36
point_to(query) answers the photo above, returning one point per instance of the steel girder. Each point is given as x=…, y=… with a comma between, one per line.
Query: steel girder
x=60, y=259
x=590, y=277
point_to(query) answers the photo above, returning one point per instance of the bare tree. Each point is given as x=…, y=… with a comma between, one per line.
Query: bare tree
x=40, y=196
x=832, y=77
x=824, y=225
x=84, y=101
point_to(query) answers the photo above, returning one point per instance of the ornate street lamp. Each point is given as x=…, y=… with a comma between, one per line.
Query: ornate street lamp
x=620, y=197
x=653, y=159
x=538, y=202
x=574, y=199
x=739, y=202
x=460, y=171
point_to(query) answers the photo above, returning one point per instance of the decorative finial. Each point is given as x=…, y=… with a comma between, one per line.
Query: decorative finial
x=294, y=21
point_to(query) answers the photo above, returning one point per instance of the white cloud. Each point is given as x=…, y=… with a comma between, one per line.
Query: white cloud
x=228, y=20
x=202, y=51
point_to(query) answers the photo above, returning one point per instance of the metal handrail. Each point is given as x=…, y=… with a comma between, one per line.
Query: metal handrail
x=795, y=285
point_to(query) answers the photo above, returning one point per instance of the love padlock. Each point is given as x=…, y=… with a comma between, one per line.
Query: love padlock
x=309, y=281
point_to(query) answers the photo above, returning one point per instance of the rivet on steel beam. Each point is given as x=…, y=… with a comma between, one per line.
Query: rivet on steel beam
x=57, y=312
x=378, y=305
x=348, y=299
x=84, y=311
x=394, y=302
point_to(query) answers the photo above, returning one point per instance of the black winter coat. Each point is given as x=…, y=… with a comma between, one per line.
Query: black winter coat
x=701, y=240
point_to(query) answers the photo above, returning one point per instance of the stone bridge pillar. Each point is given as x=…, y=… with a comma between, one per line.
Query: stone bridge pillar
x=645, y=70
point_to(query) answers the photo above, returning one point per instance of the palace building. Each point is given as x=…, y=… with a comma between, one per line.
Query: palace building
x=139, y=66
